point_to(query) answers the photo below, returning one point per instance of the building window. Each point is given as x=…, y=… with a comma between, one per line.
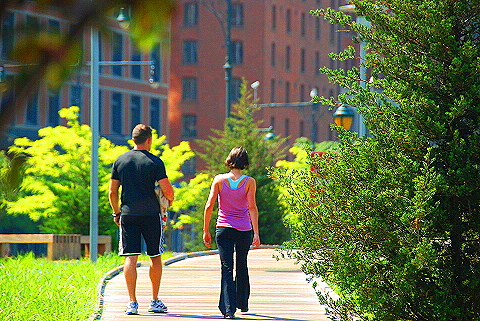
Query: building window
x=332, y=33
x=287, y=58
x=272, y=56
x=235, y=89
x=189, y=88
x=287, y=127
x=100, y=53
x=302, y=129
x=288, y=21
x=155, y=114
x=272, y=122
x=136, y=71
x=302, y=92
x=31, y=117
x=274, y=17
x=54, y=27
x=135, y=110
x=317, y=63
x=190, y=14
x=317, y=28
x=237, y=14
x=8, y=35
x=237, y=52
x=190, y=52
x=303, y=22
x=117, y=53
x=76, y=96
x=287, y=91
x=117, y=113
x=53, y=108
x=189, y=167
x=302, y=60
x=189, y=126
x=272, y=90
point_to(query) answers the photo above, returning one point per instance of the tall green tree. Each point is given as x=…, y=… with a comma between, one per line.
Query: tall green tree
x=56, y=187
x=392, y=222
x=242, y=129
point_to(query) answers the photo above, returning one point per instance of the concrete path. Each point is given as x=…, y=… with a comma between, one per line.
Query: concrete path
x=190, y=289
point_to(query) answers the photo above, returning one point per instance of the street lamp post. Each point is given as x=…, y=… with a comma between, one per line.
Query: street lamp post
x=94, y=127
x=314, y=133
x=350, y=8
x=228, y=63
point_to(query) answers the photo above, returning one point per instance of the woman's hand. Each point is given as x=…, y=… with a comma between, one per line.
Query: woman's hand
x=256, y=241
x=207, y=239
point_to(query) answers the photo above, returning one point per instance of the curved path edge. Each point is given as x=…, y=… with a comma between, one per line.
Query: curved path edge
x=97, y=315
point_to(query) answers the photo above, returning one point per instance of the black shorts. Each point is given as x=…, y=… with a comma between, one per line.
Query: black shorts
x=133, y=227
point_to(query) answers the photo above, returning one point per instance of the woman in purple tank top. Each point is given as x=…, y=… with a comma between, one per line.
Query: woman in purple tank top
x=236, y=230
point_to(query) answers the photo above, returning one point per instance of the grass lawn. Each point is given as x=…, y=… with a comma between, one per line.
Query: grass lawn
x=39, y=290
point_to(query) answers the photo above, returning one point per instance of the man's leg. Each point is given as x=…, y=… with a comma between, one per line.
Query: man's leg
x=155, y=275
x=130, y=271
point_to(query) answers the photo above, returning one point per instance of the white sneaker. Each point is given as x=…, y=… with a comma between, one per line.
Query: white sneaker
x=132, y=308
x=157, y=306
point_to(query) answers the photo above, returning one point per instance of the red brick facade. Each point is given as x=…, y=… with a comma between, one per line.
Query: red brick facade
x=277, y=42
x=283, y=47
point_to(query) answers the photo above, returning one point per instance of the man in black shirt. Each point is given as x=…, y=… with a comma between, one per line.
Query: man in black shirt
x=137, y=171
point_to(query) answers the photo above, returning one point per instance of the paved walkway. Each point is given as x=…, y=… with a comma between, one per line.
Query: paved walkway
x=190, y=289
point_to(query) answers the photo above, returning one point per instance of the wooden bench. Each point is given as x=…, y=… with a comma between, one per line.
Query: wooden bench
x=59, y=246
x=104, y=244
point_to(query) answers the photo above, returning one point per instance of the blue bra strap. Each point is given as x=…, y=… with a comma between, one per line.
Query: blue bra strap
x=234, y=184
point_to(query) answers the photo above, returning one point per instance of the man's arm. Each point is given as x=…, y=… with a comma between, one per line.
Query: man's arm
x=167, y=189
x=114, y=199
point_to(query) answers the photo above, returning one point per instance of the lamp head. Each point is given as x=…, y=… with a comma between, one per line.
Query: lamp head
x=123, y=19
x=343, y=117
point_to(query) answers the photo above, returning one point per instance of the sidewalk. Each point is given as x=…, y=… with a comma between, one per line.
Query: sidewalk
x=190, y=289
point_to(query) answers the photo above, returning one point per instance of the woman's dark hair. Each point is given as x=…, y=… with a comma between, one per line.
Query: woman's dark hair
x=141, y=133
x=238, y=158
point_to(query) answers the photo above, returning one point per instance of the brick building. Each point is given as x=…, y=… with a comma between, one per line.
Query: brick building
x=276, y=42
x=126, y=97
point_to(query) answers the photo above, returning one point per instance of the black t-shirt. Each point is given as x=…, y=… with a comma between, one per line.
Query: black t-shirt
x=137, y=171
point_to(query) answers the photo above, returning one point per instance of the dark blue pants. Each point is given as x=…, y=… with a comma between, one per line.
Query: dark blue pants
x=234, y=292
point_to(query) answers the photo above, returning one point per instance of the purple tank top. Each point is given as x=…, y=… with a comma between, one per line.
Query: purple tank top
x=233, y=207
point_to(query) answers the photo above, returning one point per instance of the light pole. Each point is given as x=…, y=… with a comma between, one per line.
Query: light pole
x=228, y=63
x=228, y=66
x=313, y=94
x=350, y=8
x=94, y=127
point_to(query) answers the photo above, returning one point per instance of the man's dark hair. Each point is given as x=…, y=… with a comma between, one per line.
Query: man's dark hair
x=238, y=158
x=141, y=133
